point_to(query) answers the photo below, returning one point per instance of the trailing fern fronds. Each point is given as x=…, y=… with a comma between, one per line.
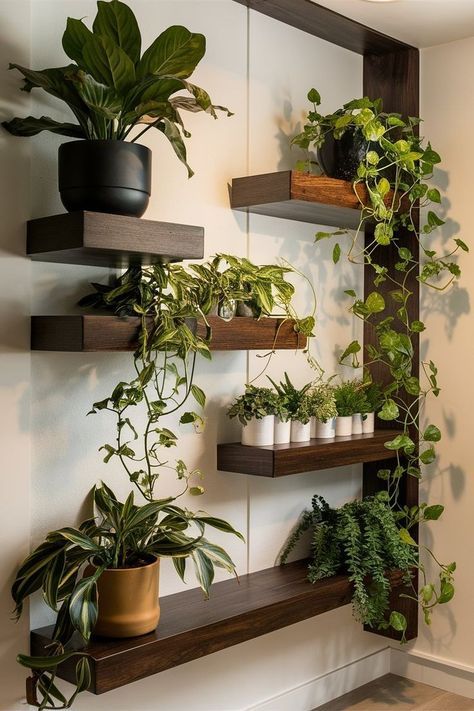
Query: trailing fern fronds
x=361, y=540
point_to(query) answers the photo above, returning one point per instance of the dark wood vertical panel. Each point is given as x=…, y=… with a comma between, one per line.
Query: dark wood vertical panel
x=395, y=78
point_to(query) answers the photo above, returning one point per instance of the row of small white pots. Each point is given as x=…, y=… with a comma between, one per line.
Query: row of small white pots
x=271, y=430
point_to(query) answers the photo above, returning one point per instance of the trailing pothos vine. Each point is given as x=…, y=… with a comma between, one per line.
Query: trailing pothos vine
x=397, y=213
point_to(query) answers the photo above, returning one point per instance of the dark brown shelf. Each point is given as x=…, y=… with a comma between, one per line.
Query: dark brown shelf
x=295, y=458
x=310, y=17
x=100, y=239
x=191, y=627
x=299, y=196
x=111, y=333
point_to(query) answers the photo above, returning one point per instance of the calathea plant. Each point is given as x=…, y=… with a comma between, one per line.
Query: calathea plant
x=118, y=536
x=111, y=87
x=392, y=183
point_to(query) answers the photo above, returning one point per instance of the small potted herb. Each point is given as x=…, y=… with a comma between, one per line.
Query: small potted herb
x=297, y=403
x=323, y=411
x=361, y=405
x=347, y=398
x=373, y=399
x=255, y=410
x=282, y=425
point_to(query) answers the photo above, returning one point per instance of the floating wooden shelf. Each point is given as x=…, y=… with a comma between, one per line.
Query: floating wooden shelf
x=111, y=333
x=100, y=239
x=295, y=458
x=191, y=627
x=299, y=196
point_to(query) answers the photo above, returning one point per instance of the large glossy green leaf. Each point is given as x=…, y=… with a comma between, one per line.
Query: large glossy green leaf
x=116, y=21
x=31, y=126
x=98, y=97
x=75, y=37
x=54, y=81
x=108, y=64
x=177, y=51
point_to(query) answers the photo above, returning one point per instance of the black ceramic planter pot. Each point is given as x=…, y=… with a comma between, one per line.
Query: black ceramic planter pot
x=105, y=176
x=340, y=158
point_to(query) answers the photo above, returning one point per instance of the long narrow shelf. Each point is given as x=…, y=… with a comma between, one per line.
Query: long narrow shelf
x=295, y=458
x=100, y=239
x=299, y=196
x=110, y=333
x=191, y=627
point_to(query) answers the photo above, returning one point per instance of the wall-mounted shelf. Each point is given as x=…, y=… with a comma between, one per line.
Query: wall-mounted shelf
x=111, y=333
x=299, y=196
x=295, y=458
x=100, y=239
x=191, y=627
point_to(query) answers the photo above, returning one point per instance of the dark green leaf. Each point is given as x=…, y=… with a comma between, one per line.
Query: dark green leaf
x=176, y=52
x=75, y=37
x=108, y=64
x=116, y=21
x=432, y=434
x=432, y=513
x=31, y=126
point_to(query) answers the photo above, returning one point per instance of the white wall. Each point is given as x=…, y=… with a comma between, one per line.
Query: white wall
x=262, y=70
x=447, y=105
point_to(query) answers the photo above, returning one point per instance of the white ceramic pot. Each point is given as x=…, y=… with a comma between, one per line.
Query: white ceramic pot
x=281, y=431
x=357, y=423
x=300, y=432
x=344, y=426
x=314, y=423
x=368, y=425
x=326, y=430
x=258, y=433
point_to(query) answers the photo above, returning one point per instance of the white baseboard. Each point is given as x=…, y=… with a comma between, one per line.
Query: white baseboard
x=432, y=670
x=329, y=686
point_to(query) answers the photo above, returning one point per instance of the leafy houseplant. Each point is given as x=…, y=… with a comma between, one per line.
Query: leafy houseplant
x=124, y=539
x=323, y=410
x=255, y=410
x=350, y=401
x=111, y=88
x=391, y=182
x=372, y=403
x=363, y=539
x=298, y=406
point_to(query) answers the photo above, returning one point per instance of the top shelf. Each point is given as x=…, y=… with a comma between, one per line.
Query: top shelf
x=101, y=239
x=299, y=196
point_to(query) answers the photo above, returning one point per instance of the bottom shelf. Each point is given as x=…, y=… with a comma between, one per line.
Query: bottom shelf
x=191, y=627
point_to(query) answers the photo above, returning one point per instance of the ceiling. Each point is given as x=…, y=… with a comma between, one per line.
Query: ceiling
x=422, y=23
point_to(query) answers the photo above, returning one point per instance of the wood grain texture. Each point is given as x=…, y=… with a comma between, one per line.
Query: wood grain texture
x=100, y=239
x=191, y=627
x=93, y=333
x=328, y=25
x=294, y=195
x=395, y=78
x=285, y=459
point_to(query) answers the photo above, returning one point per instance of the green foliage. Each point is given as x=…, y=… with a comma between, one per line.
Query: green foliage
x=111, y=89
x=296, y=400
x=350, y=398
x=255, y=403
x=395, y=173
x=322, y=402
x=360, y=539
x=119, y=535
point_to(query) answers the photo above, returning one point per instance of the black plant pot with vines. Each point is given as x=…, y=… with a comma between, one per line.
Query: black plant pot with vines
x=340, y=158
x=105, y=176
